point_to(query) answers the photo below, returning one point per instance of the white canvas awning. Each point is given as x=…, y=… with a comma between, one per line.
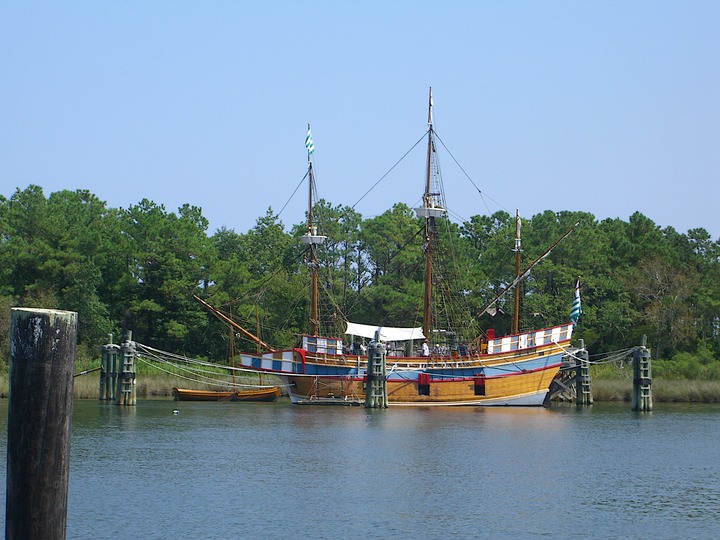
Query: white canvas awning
x=387, y=333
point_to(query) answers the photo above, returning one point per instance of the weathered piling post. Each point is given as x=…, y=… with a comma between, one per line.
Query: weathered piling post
x=108, y=371
x=103, y=392
x=642, y=378
x=126, y=393
x=114, y=371
x=376, y=390
x=42, y=364
x=582, y=375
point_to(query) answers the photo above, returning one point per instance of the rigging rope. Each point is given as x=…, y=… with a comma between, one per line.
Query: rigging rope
x=389, y=171
x=293, y=194
x=468, y=176
x=156, y=358
x=608, y=358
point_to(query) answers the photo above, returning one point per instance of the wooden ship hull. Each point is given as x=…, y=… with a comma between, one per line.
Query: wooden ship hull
x=259, y=394
x=516, y=370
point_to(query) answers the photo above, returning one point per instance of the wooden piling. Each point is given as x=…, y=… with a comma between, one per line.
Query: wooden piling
x=642, y=378
x=582, y=375
x=376, y=390
x=108, y=371
x=104, y=374
x=126, y=393
x=42, y=363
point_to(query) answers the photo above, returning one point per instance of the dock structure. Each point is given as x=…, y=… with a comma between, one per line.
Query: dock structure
x=376, y=389
x=564, y=387
x=642, y=378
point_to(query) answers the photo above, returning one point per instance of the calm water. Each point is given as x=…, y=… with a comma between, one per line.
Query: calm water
x=230, y=470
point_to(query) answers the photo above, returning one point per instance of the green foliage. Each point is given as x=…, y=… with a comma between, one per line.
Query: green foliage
x=6, y=303
x=52, y=253
x=385, y=241
x=138, y=269
x=698, y=365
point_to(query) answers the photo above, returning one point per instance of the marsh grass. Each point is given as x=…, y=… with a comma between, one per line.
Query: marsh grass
x=663, y=390
x=686, y=391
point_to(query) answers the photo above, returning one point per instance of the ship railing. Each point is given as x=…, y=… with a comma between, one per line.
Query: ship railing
x=529, y=340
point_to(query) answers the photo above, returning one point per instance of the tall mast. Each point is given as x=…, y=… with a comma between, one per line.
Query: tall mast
x=311, y=239
x=516, y=315
x=314, y=316
x=232, y=350
x=526, y=271
x=430, y=210
x=429, y=226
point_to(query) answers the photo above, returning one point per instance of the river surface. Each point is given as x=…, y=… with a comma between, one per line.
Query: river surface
x=252, y=470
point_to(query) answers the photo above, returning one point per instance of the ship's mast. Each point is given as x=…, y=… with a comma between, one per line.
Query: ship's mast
x=312, y=240
x=516, y=315
x=431, y=209
x=526, y=271
x=429, y=228
x=232, y=350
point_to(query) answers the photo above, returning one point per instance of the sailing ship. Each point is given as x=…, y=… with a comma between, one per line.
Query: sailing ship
x=440, y=369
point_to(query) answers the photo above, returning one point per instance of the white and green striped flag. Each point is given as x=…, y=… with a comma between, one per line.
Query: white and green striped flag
x=576, y=310
x=309, y=143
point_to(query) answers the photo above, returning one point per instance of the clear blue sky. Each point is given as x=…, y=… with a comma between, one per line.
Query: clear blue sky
x=607, y=107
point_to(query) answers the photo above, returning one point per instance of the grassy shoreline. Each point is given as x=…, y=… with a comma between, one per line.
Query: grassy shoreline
x=663, y=390
x=158, y=385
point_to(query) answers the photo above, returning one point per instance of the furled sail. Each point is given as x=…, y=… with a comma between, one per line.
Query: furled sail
x=387, y=333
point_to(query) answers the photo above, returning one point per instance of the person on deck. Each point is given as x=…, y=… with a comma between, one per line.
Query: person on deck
x=425, y=348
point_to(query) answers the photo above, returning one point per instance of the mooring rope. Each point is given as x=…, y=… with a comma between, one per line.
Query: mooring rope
x=610, y=357
x=155, y=357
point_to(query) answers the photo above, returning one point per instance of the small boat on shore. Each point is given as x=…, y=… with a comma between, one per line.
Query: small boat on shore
x=256, y=394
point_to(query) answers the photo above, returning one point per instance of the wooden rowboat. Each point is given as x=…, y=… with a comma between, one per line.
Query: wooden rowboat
x=258, y=394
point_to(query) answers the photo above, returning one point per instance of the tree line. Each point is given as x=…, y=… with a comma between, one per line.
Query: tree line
x=139, y=268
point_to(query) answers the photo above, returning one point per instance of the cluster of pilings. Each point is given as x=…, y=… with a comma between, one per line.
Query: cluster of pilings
x=117, y=372
x=575, y=385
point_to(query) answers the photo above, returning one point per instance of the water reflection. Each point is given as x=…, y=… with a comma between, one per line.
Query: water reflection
x=258, y=470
